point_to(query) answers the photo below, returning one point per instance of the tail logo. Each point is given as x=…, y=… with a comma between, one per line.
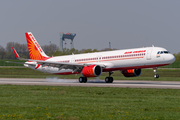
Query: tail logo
x=35, y=51
x=35, y=42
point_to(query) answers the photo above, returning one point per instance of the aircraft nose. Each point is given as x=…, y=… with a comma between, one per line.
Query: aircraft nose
x=171, y=58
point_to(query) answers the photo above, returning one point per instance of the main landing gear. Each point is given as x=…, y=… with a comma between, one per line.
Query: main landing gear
x=83, y=79
x=155, y=71
x=109, y=79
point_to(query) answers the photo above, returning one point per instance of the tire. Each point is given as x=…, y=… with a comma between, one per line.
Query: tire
x=156, y=76
x=107, y=79
x=85, y=79
x=81, y=79
x=111, y=80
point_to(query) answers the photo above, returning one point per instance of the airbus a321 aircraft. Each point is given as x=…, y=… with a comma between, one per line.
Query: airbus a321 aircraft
x=128, y=61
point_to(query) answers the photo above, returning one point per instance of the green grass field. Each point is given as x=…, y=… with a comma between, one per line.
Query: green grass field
x=93, y=103
x=4, y=63
x=147, y=74
x=176, y=64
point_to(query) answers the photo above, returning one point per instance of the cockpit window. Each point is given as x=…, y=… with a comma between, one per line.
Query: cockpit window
x=163, y=52
x=166, y=52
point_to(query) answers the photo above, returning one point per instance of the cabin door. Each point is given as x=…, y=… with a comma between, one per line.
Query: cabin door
x=149, y=54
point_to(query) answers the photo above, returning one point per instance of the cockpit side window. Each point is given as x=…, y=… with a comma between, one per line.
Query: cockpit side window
x=163, y=52
x=166, y=52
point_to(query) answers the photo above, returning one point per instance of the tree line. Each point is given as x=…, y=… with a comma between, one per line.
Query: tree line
x=50, y=50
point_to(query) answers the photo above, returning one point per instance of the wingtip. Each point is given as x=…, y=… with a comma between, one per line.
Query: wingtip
x=16, y=54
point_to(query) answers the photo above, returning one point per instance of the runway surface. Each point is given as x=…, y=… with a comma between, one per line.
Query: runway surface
x=91, y=83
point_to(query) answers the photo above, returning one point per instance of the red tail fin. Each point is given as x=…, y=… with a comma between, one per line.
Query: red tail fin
x=35, y=50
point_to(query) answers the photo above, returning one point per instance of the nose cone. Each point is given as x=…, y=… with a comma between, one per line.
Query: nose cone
x=171, y=58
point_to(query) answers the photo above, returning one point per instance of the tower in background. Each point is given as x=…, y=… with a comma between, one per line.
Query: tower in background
x=64, y=36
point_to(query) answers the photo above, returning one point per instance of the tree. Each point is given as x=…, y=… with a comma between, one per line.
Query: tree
x=50, y=49
x=9, y=46
x=177, y=56
x=2, y=52
x=106, y=49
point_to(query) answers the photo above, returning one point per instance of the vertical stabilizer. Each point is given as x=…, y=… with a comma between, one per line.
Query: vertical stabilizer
x=35, y=50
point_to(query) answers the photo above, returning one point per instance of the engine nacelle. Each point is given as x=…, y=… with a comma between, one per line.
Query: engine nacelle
x=131, y=72
x=92, y=71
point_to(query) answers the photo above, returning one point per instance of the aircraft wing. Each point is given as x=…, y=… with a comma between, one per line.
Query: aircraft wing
x=76, y=67
x=61, y=65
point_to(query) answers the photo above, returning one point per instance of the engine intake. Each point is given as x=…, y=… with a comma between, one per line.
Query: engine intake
x=131, y=72
x=92, y=71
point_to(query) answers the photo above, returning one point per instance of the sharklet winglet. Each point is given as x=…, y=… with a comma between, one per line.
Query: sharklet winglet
x=16, y=54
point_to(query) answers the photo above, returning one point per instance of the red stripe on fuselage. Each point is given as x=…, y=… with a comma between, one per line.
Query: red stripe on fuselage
x=111, y=59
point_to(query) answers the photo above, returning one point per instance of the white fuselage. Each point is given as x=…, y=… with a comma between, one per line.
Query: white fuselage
x=137, y=58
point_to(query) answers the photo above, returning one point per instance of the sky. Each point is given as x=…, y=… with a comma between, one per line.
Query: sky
x=124, y=23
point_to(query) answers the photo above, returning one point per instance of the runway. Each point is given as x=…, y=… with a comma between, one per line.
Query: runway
x=92, y=83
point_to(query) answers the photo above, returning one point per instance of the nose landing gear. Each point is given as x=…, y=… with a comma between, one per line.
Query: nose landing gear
x=155, y=71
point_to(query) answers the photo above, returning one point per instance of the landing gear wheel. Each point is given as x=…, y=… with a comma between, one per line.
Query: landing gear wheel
x=82, y=79
x=156, y=76
x=85, y=79
x=155, y=71
x=109, y=79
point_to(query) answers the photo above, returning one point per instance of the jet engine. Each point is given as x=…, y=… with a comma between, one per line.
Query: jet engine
x=131, y=72
x=91, y=71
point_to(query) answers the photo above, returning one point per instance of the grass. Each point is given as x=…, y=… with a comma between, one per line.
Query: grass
x=176, y=64
x=93, y=103
x=4, y=63
x=147, y=74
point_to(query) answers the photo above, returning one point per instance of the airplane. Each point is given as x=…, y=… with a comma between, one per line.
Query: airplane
x=128, y=61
